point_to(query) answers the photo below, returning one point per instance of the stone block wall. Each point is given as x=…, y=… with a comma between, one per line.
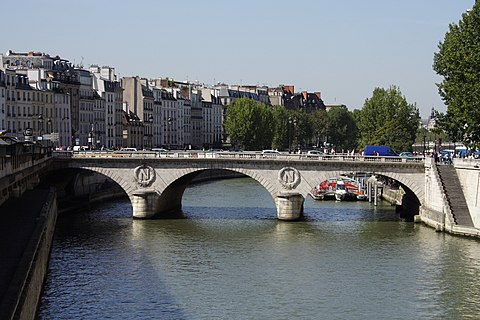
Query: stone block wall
x=468, y=172
x=433, y=212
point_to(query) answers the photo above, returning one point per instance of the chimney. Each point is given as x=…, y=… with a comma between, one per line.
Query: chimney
x=319, y=95
x=289, y=89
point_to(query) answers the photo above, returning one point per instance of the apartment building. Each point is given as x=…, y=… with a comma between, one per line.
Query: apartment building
x=40, y=67
x=173, y=113
x=138, y=99
x=89, y=113
x=2, y=101
x=212, y=116
x=109, y=89
x=62, y=128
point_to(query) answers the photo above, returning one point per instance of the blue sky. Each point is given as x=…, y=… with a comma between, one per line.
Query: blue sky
x=344, y=49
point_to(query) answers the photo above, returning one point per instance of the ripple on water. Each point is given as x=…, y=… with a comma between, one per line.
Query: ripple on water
x=231, y=259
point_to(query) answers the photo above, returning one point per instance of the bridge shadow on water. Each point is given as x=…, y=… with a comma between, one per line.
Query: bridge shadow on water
x=98, y=269
x=102, y=259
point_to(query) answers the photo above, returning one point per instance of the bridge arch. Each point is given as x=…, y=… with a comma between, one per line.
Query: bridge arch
x=414, y=191
x=77, y=183
x=156, y=185
x=405, y=181
x=173, y=188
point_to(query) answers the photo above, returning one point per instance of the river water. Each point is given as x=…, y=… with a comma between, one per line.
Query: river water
x=231, y=259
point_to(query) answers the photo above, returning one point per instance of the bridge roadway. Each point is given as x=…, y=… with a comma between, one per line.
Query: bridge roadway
x=155, y=182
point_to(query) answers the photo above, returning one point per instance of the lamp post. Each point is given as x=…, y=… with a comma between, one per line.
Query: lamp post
x=424, y=149
x=150, y=134
x=291, y=127
x=49, y=130
x=169, y=121
x=40, y=127
x=90, y=137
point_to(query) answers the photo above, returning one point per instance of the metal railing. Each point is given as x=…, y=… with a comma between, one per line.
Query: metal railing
x=246, y=155
x=11, y=164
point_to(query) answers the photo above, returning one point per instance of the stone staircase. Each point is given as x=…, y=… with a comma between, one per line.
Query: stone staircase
x=454, y=195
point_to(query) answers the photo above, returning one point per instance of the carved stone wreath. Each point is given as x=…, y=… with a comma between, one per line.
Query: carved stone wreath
x=289, y=178
x=145, y=175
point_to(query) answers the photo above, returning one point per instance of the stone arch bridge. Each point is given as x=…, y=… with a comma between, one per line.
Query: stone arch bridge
x=155, y=182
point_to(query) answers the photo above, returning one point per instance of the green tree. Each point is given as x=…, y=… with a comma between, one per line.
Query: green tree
x=300, y=129
x=387, y=119
x=280, y=125
x=249, y=124
x=458, y=61
x=341, y=128
x=319, y=124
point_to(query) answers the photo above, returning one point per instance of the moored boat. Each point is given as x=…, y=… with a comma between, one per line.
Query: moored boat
x=339, y=188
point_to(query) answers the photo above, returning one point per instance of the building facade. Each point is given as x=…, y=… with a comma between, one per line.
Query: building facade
x=3, y=111
x=139, y=100
x=44, y=72
x=109, y=89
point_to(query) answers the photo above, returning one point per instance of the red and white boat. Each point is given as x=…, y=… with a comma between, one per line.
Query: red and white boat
x=339, y=188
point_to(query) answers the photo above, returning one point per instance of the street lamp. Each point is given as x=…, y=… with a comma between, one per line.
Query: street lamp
x=169, y=121
x=90, y=137
x=291, y=127
x=49, y=130
x=424, y=148
x=40, y=127
x=150, y=120
x=49, y=125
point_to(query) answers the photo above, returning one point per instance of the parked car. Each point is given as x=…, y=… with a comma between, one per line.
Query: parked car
x=315, y=152
x=128, y=149
x=408, y=155
x=270, y=153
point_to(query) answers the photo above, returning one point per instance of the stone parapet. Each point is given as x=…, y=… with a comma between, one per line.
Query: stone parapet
x=22, y=296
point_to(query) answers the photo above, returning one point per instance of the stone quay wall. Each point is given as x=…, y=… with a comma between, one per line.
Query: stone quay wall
x=435, y=210
x=468, y=172
x=437, y=213
x=23, y=294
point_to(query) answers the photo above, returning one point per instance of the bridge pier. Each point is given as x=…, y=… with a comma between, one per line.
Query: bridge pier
x=289, y=206
x=145, y=204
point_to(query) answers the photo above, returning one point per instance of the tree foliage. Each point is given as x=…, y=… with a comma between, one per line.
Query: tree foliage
x=387, y=119
x=249, y=124
x=319, y=123
x=280, y=123
x=299, y=128
x=341, y=129
x=458, y=62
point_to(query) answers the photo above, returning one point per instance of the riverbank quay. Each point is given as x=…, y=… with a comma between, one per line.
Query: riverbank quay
x=456, y=211
x=26, y=233
x=392, y=195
